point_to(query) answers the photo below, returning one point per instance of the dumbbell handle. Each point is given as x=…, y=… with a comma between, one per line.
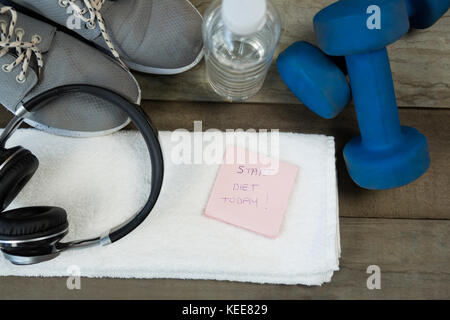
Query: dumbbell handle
x=374, y=98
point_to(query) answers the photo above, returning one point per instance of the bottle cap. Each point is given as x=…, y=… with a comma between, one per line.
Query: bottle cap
x=244, y=17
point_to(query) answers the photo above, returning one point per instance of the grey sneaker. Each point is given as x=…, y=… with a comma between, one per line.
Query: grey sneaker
x=35, y=57
x=151, y=36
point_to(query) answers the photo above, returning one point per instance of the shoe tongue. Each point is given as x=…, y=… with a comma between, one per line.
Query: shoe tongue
x=16, y=92
x=32, y=27
x=64, y=16
x=83, y=31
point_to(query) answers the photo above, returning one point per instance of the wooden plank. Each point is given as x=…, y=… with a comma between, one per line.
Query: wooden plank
x=413, y=257
x=420, y=64
x=427, y=197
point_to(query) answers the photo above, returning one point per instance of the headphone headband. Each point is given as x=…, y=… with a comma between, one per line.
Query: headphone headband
x=143, y=124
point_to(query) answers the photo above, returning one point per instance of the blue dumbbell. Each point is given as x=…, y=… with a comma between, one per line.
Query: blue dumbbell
x=318, y=80
x=424, y=13
x=385, y=155
x=313, y=77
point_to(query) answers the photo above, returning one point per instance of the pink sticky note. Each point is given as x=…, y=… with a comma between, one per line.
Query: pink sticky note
x=252, y=194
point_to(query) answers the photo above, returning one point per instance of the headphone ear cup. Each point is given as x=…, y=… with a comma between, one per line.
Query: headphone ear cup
x=32, y=223
x=17, y=165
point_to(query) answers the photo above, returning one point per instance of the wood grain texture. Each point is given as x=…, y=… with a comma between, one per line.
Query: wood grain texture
x=428, y=197
x=420, y=64
x=413, y=256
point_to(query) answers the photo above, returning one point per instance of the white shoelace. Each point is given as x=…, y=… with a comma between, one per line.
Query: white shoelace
x=24, y=50
x=93, y=7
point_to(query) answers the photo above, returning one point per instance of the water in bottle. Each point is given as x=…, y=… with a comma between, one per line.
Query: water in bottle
x=240, y=38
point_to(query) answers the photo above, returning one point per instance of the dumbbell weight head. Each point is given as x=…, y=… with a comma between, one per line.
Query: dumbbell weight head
x=337, y=37
x=424, y=13
x=342, y=28
x=309, y=73
x=315, y=78
x=385, y=155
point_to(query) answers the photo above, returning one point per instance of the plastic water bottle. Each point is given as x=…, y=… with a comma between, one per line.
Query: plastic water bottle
x=240, y=38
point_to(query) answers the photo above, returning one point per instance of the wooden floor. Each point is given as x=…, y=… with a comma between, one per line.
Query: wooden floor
x=405, y=231
x=412, y=254
x=420, y=63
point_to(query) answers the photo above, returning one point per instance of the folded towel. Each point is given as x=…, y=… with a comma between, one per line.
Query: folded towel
x=102, y=181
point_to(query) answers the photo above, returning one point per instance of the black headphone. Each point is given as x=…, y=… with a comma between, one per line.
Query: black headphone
x=33, y=235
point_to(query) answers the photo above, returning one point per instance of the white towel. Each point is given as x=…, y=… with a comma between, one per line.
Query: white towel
x=102, y=181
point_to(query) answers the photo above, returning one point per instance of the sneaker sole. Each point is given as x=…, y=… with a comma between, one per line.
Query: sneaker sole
x=161, y=71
